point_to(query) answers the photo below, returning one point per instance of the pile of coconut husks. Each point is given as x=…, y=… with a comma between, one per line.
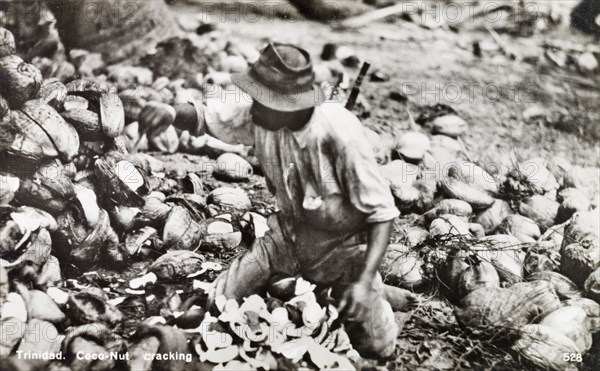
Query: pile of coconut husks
x=111, y=256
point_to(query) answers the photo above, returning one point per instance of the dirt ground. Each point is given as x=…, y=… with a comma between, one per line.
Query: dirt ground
x=436, y=66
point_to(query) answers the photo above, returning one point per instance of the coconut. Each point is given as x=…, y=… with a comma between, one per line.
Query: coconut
x=540, y=209
x=553, y=237
x=452, y=206
x=477, y=275
x=586, y=179
x=592, y=285
x=545, y=347
x=476, y=197
x=402, y=267
x=571, y=201
x=539, y=259
x=448, y=224
x=141, y=242
x=13, y=318
x=535, y=175
x=592, y=311
x=504, y=254
x=413, y=145
x=42, y=133
x=476, y=230
x=180, y=231
x=413, y=235
x=382, y=145
x=176, y=264
x=90, y=307
x=233, y=168
x=525, y=229
x=41, y=306
x=165, y=142
x=230, y=199
x=409, y=185
x=54, y=93
x=450, y=125
x=21, y=79
x=35, y=252
x=493, y=216
x=578, y=261
x=7, y=43
x=571, y=322
x=49, y=188
x=584, y=227
x=564, y=287
x=121, y=181
x=218, y=234
x=558, y=166
x=493, y=311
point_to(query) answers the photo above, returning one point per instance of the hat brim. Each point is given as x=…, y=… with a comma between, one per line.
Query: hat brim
x=275, y=100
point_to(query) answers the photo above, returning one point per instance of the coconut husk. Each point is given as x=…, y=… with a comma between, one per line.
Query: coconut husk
x=564, y=287
x=54, y=93
x=35, y=251
x=142, y=242
x=478, y=274
x=452, y=206
x=578, y=261
x=218, y=234
x=49, y=274
x=571, y=322
x=540, y=259
x=493, y=216
x=7, y=43
x=176, y=264
x=592, y=285
x=86, y=122
x=540, y=209
x=115, y=184
x=499, y=312
x=230, y=199
x=165, y=142
x=401, y=267
x=232, y=168
x=180, y=231
x=571, y=200
x=584, y=228
x=87, y=307
x=21, y=79
x=523, y=228
x=48, y=189
x=476, y=197
x=544, y=347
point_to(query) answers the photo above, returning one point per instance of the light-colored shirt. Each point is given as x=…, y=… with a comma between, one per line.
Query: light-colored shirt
x=325, y=175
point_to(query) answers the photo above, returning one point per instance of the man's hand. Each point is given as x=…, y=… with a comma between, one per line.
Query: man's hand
x=155, y=118
x=356, y=300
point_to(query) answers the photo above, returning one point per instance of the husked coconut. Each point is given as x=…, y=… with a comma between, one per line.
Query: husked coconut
x=571, y=322
x=493, y=216
x=586, y=179
x=449, y=224
x=540, y=209
x=450, y=125
x=413, y=145
x=544, y=346
x=525, y=229
x=571, y=201
x=578, y=261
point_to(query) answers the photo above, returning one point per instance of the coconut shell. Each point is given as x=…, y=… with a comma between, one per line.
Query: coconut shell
x=86, y=122
x=176, y=264
x=49, y=188
x=181, y=232
x=477, y=198
x=571, y=322
x=230, y=199
x=540, y=209
x=477, y=275
x=114, y=187
x=498, y=311
x=54, y=93
x=21, y=79
x=87, y=307
x=578, y=261
x=233, y=168
x=544, y=347
x=85, y=88
x=564, y=287
x=112, y=115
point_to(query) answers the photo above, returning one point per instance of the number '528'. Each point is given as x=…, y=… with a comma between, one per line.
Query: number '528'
x=572, y=357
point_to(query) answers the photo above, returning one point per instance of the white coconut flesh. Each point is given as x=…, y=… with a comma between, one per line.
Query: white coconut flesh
x=219, y=228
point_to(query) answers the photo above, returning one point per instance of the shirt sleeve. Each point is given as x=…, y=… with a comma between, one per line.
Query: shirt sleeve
x=360, y=178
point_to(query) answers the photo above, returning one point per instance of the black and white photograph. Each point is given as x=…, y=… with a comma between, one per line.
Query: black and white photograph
x=367, y=185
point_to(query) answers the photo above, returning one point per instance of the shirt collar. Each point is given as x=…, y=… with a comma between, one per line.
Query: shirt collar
x=302, y=136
